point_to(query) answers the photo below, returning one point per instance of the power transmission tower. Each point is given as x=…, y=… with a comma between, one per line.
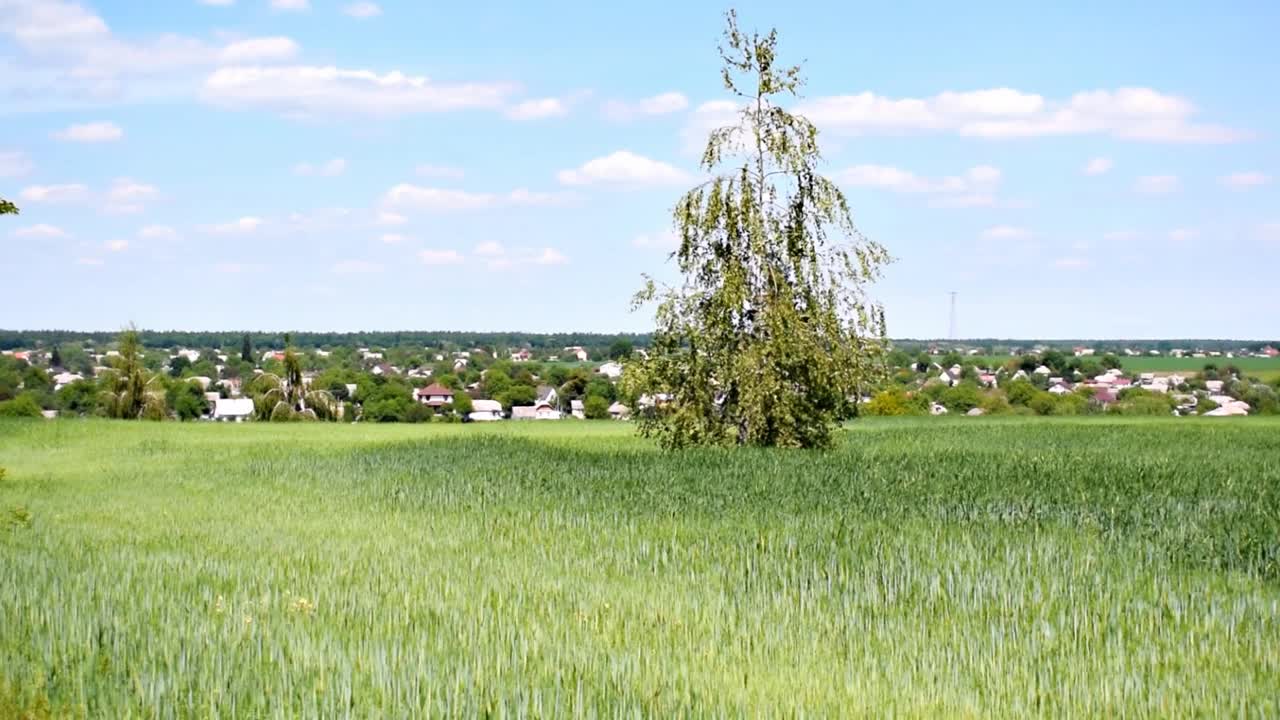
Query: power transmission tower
x=953, y=315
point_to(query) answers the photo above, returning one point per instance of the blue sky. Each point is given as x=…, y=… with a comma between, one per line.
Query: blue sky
x=1097, y=171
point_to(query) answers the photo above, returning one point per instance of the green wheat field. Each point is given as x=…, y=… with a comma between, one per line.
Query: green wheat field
x=959, y=567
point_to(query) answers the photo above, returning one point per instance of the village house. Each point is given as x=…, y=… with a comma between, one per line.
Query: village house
x=577, y=409
x=577, y=353
x=611, y=370
x=618, y=411
x=485, y=411
x=521, y=356
x=434, y=395
x=233, y=409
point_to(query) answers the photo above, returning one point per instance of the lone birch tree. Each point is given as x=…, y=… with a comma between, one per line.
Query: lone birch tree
x=771, y=333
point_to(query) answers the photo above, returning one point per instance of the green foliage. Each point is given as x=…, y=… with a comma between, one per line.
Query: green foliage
x=621, y=349
x=78, y=398
x=962, y=398
x=246, y=349
x=1020, y=392
x=7, y=208
x=188, y=401
x=1136, y=401
x=894, y=402
x=771, y=332
x=275, y=391
x=596, y=407
x=462, y=403
x=517, y=395
x=23, y=406
x=178, y=365
x=129, y=390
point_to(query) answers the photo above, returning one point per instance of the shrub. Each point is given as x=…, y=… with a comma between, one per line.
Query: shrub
x=22, y=406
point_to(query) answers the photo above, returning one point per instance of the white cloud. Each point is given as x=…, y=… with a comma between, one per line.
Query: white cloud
x=218, y=3
x=55, y=194
x=1269, y=232
x=1183, y=234
x=624, y=168
x=13, y=164
x=90, y=133
x=353, y=267
x=124, y=195
x=666, y=240
x=538, y=108
x=236, y=227
x=89, y=261
x=290, y=5
x=976, y=187
x=362, y=10
x=1098, y=166
x=302, y=90
x=496, y=257
x=118, y=245
x=41, y=231
x=127, y=196
x=1125, y=113
x=550, y=256
x=332, y=168
x=489, y=249
x=1245, y=180
x=1006, y=232
x=440, y=257
x=1071, y=263
x=69, y=58
x=263, y=49
x=392, y=238
x=405, y=195
x=663, y=104
x=439, y=171
x=390, y=218
x=126, y=190
x=1156, y=184
x=158, y=232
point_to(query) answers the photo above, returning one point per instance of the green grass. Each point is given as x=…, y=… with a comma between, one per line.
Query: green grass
x=973, y=567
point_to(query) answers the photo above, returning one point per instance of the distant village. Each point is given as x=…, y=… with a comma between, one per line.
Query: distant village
x=408, y=383
x=1080, y=380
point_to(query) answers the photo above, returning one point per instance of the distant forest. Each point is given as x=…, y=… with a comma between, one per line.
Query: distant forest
x=448, y=340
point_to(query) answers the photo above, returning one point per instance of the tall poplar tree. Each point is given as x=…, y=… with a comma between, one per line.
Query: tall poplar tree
x=771, y=335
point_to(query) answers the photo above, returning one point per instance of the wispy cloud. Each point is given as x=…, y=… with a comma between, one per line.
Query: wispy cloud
x=976, y=187
x=96, y=132
x=409, y=196
x=440, y=257
x=1098, y=166
x=42, y=231
x=1126, y=113
x=330, y=168
x=1245, y=180
x=1156, y=184
x=624, y=168
x=663, y=104
x=362, y=10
